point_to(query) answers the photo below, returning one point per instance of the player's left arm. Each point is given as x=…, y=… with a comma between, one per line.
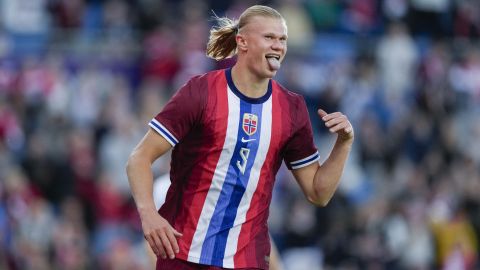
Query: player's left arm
x=319, y=182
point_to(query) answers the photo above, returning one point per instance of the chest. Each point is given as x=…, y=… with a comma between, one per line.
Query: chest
x=245, y=129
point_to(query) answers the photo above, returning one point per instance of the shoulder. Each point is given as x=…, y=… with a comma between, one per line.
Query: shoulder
x=205, y=78
x=291, y=97
x=198, y=86
x=291, y=103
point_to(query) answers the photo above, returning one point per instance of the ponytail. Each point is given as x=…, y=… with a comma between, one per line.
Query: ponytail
x=222, y=43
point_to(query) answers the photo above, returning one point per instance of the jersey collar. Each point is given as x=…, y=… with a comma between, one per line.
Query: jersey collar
x=262, y=99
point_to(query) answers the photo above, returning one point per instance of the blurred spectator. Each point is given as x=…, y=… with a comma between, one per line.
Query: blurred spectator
x=397, y=60
x=11, y=133
x=466, y=21
x=360, y=16
x=28, y=24
x=465, y=76
x=70, y=239
x=300, y=27
x=431, y=17
x=24, y=16
x=161, y=57
x=456, y=241
x=395, y=10
x=67, y=14
x=324, y=14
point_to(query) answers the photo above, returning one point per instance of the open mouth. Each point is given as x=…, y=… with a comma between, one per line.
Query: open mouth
x=274, y=56
x=273, y=61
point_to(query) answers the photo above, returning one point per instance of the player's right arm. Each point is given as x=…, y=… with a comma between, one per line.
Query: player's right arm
x=160, y=235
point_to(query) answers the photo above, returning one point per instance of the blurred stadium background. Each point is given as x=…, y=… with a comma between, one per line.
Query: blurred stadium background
x=80, y=79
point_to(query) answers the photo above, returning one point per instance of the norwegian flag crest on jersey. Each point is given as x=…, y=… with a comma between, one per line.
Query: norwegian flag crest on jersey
x=250, y=122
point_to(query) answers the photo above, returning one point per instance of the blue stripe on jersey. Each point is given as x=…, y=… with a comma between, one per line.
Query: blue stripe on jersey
x=304, y=162
x=213, y=248
x=163, y=131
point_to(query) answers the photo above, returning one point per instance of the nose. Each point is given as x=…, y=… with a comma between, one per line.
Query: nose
x=278, y=45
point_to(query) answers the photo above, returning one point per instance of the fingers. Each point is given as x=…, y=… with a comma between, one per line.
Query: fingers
x=156, y=244
x=167, y=245
x=348, y=129
x=339, y=126
x=163, y=242
x=322, y=113
x=336, y=122
x=173, y=241
x=331, y=116
x=176, y=234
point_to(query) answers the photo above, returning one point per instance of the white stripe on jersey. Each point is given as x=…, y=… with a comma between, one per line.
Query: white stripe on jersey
x=162, y=130
x=305, y=161
x=218, y=178
x=293, y=163
x=264, y=144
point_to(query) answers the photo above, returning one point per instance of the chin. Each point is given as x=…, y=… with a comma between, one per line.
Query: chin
x=271, y=73
x=268, y=73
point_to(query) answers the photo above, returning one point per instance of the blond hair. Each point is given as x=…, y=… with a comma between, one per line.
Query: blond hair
x=221, y=43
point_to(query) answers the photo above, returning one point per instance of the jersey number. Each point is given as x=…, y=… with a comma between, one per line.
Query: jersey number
x=242, y=165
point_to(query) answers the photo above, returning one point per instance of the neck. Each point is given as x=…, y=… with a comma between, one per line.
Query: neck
x=249, y=84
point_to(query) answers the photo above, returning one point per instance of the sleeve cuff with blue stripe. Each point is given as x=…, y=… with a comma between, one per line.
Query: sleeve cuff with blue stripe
x=162, y=130
x=304, y=161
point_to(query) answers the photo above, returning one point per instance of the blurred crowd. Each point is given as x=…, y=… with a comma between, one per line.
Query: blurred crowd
x=80, y=80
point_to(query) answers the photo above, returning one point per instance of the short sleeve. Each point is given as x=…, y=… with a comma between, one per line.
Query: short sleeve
x=300, y=150
x=181, y=112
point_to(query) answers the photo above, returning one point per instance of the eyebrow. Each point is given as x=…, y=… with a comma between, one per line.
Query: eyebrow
x=273, y=34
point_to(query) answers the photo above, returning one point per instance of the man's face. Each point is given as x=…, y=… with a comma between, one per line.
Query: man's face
x=264, y=45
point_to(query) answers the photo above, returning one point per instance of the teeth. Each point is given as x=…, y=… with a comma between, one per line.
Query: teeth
x=273, y=56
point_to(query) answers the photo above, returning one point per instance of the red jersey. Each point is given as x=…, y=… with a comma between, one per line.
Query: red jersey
x=227, y=150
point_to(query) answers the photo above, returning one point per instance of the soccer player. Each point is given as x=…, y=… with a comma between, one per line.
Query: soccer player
x=230, y=131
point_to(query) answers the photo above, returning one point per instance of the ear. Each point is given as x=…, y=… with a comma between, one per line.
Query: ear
x=241, y=42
